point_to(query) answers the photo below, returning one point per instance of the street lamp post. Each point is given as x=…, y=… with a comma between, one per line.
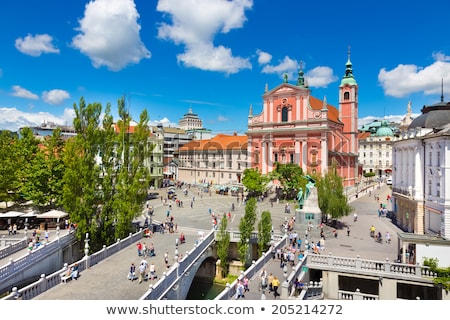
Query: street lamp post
x=86, y=245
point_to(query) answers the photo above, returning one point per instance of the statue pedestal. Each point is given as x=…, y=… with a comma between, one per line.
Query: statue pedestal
x=310, y=211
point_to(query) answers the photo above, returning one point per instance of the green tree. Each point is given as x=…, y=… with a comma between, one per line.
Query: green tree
x=254, y=182
x=8, y=166
x=43, y=178
x=109, y=163
x=291, y=179
x=81, y=192
x=246, y=228
x=105, y=183
x=27, y=147
x=264, y=232
x=369, y=174
x=443, y=274
x=330, y=190
x=133, y=177
x=223, y=245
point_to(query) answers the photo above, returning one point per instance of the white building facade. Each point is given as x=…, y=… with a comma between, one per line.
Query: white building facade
x=421, y=190
x=220, y=160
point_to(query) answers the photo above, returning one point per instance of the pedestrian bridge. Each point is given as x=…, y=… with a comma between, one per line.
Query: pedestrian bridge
x=325, y=276
x=49, y=256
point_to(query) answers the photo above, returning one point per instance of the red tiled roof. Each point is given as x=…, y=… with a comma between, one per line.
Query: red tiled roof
x=317, y=104
x=219, y=142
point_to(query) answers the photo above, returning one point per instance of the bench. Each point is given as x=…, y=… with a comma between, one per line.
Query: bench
x=67, y=276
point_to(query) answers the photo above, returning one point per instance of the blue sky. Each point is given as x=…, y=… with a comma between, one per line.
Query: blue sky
x=216, y=56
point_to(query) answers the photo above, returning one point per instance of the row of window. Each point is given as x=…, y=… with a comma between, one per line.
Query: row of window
x=380, y=154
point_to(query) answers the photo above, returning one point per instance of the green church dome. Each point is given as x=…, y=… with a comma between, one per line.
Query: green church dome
x=384, y=130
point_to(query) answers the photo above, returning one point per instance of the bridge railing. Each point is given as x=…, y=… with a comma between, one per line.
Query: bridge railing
x=33, y=256
x=256, y=267
x=10, y=246
x=170, y=278
x=356, y=295
x=364, y=265
x=49, y=281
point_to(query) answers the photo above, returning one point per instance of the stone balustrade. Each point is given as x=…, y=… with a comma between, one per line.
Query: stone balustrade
x=47, y=282
x=11, y=245
x=388, y=268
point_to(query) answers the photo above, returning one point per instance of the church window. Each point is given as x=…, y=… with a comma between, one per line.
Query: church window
x=291, y=157
x=346, y=96
x=276, y=157
x=284, y=114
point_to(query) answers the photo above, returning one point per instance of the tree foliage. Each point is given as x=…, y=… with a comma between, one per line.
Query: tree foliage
x=43, y=179
x=254, y=182
x=332, y=200
x=105, y=182
x=223, y=245
x=369, y=174
x=81, y=192
x=291, y=178
x=264, y=232
x=9, y=181
x=443, y=274
x=132, y=177
x=246, y=228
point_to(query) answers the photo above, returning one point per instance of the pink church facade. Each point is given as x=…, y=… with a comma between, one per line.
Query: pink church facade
x=295, y=127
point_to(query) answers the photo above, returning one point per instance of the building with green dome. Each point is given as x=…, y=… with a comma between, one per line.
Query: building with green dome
x=375, y=148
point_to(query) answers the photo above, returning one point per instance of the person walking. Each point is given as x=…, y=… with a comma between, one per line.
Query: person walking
x=239, y=290
x=372, y=231
x=139, y=248
x=246, y=283
x=166, y=259
x=275, y=285
x=142, y=269
x=388, y=237
x=132, y=272
x=269, y=281
x=152, y=271
x=263, y=280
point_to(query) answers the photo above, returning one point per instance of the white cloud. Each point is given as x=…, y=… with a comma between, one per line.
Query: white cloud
x=13, y=119
x=207, y=57
x=288, y=66
x=263, y=57
x=222, y=119
x=404, y=80
x=389, y=118
x=164, y=121
x=20, y=92
x=36, y=45
x=194, y=24
x=109, y=34
x=317, y=77
x=320, y=77
x=55, y=96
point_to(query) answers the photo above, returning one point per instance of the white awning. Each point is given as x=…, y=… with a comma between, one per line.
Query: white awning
x=52, y=214
x=11, y=214
x=29, y=214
